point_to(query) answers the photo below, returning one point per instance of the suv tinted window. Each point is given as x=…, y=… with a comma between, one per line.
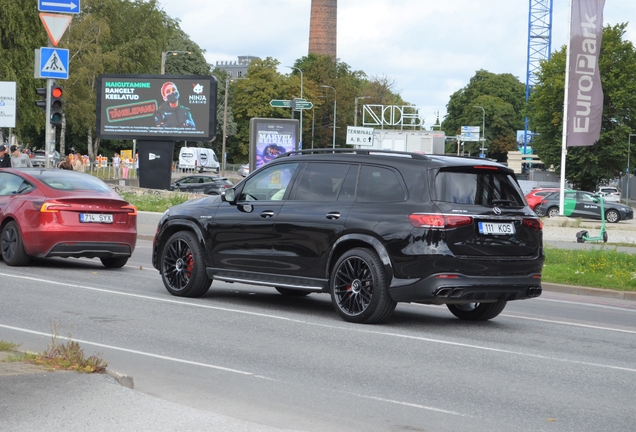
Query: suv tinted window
x=379, y=184
x=321, y=182
x=479, y=188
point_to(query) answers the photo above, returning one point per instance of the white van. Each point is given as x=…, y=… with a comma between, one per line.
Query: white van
x=199, y=159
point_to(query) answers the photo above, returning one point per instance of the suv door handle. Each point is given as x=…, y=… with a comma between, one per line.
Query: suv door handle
x=267, y=214
x=333, y=215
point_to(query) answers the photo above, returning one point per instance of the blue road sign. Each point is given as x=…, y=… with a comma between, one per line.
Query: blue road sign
x=53, y=63
x=63, y=6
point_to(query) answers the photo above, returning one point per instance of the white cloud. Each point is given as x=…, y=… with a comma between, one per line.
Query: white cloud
x=430, y=48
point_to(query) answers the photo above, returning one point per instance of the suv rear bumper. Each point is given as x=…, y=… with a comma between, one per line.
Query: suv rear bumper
x=457, y=288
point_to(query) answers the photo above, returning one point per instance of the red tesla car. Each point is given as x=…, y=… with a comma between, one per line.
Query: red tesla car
x=60, y=213
x=535, y=196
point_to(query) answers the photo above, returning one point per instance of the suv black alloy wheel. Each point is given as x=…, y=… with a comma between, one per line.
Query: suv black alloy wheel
x=183, y=268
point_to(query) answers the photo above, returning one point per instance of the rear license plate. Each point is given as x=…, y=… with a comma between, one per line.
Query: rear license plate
x=496, y=228
x=96, y=217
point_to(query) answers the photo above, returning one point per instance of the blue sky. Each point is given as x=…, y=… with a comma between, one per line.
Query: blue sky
x=430, y=48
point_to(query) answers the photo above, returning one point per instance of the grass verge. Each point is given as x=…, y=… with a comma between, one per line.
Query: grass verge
x=599, y=268
x=8, y=346
x=154, y=203
x=59, y=355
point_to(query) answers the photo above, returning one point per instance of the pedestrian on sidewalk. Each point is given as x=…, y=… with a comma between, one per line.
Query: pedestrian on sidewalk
x=116, y=163
x=19, y=159
x=5, y=159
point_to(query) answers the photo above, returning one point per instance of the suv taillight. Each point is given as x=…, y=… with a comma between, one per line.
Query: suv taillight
x=534, y=224
x=433, y=220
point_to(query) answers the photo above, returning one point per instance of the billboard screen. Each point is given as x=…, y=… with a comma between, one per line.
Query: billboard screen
x=156, y=107
x=270, y=137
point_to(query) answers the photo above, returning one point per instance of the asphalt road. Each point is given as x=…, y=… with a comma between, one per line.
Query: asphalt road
x=559, y=362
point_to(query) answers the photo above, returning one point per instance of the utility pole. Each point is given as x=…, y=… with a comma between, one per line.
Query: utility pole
x=227, y=88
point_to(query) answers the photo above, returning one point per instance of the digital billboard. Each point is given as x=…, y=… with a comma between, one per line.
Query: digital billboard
x=156, y=107
x=270, y=137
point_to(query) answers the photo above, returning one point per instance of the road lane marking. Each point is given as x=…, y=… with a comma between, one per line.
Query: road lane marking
x=412, y=405
x=569, y=324
x=596, y=305
x=221, y=368
x=145, y=297
x=359, y=330
x=143, y=353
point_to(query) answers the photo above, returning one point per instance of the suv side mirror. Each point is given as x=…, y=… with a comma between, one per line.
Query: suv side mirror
x=229, y=195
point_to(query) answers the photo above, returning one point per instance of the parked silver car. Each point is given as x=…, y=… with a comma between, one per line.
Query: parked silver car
x=39, y=159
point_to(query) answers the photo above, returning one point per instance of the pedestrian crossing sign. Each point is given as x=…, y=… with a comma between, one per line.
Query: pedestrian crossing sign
x=54, y=63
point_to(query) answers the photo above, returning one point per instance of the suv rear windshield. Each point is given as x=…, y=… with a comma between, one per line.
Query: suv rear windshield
x=478, y=188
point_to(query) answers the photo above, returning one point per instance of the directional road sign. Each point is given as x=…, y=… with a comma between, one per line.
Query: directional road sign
x=53, y=63
x=470, y=133
x=301, y=104
x=63, y=6
x=277, y=103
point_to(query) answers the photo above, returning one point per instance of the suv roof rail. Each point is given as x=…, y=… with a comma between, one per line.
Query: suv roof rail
x=357, y=151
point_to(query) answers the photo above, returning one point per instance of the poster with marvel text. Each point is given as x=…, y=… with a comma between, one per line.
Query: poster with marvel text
x=270, y=138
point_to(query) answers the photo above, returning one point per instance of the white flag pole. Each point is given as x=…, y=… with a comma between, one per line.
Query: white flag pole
x=564, y=148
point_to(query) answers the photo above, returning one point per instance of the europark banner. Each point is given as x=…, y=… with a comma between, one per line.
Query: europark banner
x=156, y=107
x=584, y=94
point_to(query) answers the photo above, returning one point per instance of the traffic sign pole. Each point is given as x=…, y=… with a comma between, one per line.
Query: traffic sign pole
x=49, y=135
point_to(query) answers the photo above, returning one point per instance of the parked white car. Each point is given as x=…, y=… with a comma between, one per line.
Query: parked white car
x=244, y=170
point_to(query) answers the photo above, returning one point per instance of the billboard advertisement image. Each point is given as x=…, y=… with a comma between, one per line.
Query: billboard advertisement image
x=270, y=138
x=156, y=107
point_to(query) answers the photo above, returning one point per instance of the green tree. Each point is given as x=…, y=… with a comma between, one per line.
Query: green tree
x=321, y=70
x=21, y=32
x=250, y=98
x=120, y=36
x=587, y=166
x=503, y=98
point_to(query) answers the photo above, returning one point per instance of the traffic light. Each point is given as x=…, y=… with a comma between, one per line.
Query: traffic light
x=41, y=103
x=57, y=103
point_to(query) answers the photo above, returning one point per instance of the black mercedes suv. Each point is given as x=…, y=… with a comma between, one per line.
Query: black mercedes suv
x=371, y=228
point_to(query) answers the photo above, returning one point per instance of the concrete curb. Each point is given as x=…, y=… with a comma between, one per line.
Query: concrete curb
x=593, y=292
x=124, y=380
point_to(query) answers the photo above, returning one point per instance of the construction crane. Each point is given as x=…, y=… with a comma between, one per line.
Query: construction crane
x=539, y=44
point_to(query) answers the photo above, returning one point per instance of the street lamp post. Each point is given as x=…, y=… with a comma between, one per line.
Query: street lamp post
x=483, y=128
x=301, y=96
x=165, y=54
x=333, y=144
x=629, y=148
x=355, y=114
x=227, y=88
x=227, y=91
x=313, y=118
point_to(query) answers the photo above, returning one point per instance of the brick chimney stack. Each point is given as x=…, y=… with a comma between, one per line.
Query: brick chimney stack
x=323, y=27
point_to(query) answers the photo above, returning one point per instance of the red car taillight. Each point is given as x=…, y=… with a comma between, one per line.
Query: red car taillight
x=52, y=207
x=432, y=220
x=132, y=208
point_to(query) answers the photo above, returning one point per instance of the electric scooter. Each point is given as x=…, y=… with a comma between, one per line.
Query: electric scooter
x=582, y=236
